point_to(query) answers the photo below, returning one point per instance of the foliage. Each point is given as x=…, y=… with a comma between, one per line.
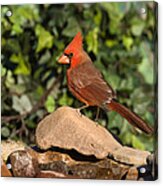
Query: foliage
x=117, y=36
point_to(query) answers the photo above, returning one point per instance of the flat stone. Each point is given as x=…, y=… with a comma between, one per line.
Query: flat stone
x=66, y=128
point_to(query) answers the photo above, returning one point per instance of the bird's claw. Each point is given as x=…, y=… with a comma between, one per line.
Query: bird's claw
x=78, y=111
x=96, y=123
x=96, y=120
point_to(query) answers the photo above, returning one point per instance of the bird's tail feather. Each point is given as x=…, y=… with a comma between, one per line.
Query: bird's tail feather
x=132, y=118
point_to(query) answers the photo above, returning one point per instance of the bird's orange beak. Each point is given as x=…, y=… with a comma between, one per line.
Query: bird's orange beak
x=64, y=59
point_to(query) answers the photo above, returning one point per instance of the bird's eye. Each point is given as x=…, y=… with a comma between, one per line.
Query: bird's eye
x=70, y=55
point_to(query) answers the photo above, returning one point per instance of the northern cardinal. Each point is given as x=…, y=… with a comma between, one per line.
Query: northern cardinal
x=88, y=85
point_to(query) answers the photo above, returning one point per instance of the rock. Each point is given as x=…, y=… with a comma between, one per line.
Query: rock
x=23, y=164
x=131, y=156
x=10, y=146
x=132, y=174
x=52, y=164
x=67, y=129
x=53, y=174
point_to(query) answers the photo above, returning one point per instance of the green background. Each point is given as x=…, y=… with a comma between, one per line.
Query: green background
x=119, y=38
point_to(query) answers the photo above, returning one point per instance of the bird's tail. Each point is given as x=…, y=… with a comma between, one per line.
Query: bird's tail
x=132, y=118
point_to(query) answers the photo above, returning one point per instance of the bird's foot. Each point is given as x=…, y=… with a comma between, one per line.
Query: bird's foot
x=78, y=111
x=81, y=108
x=96, y=123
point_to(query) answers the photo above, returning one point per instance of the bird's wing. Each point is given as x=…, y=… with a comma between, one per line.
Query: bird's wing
x=88, y=82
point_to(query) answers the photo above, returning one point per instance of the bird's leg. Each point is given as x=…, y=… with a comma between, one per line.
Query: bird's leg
x=81, y=108
x=106, y=125
x=97, y=114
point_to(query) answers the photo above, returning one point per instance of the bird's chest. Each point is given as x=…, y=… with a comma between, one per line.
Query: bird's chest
x=74, y=79
x=75, y=84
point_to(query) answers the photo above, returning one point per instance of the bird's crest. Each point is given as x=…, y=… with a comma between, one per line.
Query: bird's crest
x=76, y=42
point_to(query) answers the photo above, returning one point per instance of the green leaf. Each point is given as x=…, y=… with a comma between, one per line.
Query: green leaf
x=116, y=12
x=98, y=17
x=3, y=70
x=137, y=29
x=147, y=70
x=18, y=88
x=136, y=143
x=13, y=45
x=31, y=124
x=5, y=132
x=128, y=83
x=112, y=79
x=45, y=39
x=92, y=40
x=149, y=117
x=45, y=58
x=110, y=43
x=23, y=65
x=21, y=104
x=65, y=100
x=115, y=120
x=17, y=28
x=21, y=16
x=9, y=79
x=137, y=26
x=126, y=137
x=23, y=13
x=72, y=27
x=50, y=104
x=127, y=42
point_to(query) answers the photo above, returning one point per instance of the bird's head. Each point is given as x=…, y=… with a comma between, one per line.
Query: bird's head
x=73, y=53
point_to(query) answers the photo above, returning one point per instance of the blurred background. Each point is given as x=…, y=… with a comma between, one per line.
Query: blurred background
x=120, y=39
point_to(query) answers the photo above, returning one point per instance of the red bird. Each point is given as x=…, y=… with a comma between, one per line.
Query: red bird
x=87, y=84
